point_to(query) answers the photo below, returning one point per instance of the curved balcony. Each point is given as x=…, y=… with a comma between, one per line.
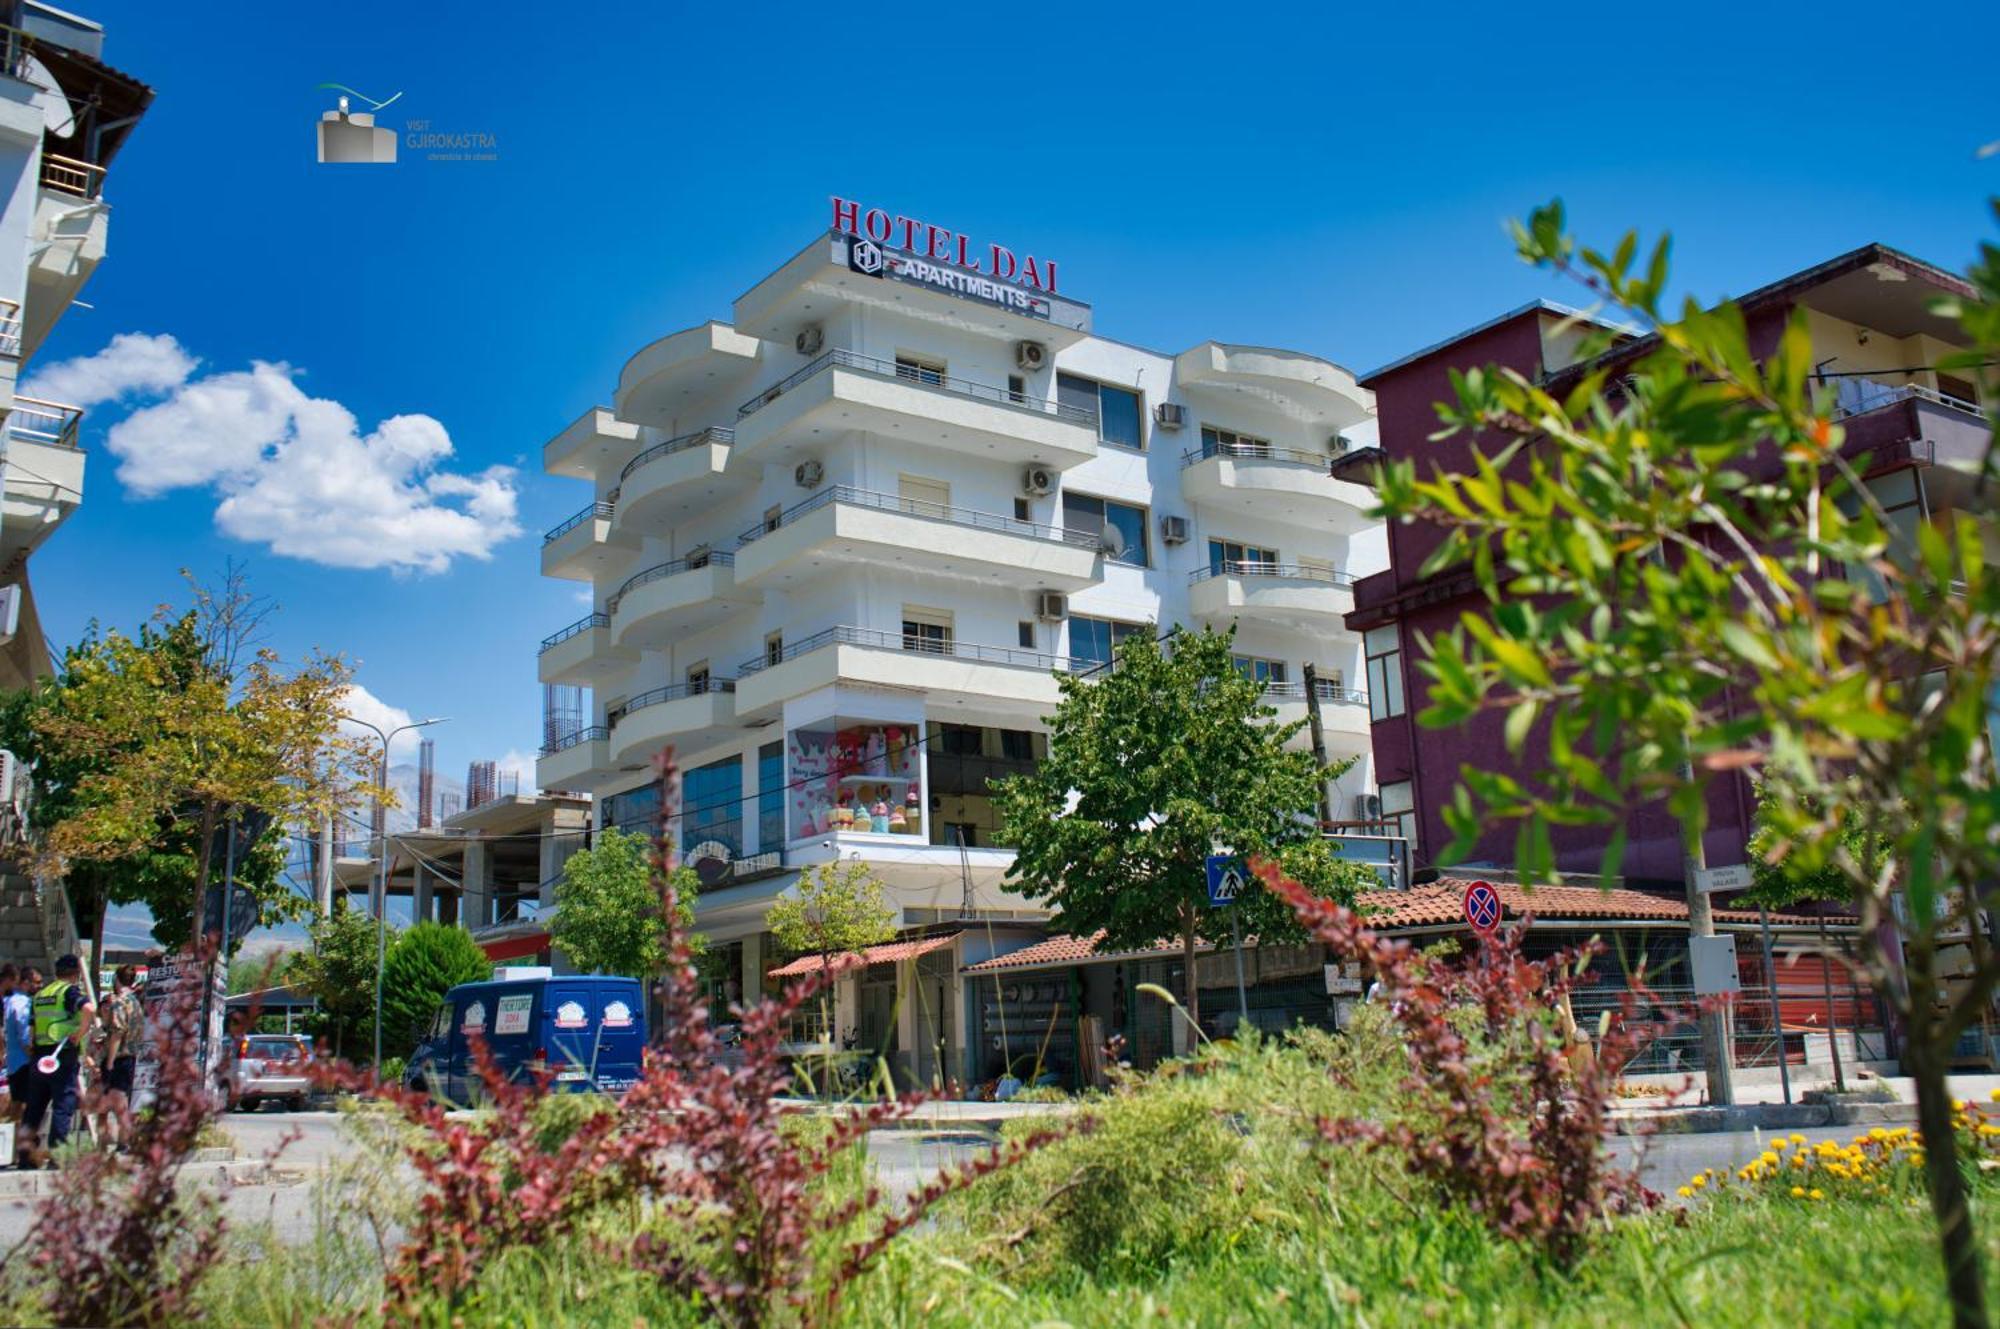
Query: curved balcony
x=1303, y=388
x=987, y=680
x=671, y=481
x=576, y=762
x=588, y=545
x=583, y=653
x=670, y=600
x=593, y=441
x=842, y=527
x=691, y=716
x=1343, y=716
x=682, y=373
x=842, y=391
x=1309, y=599
x=1272, y=483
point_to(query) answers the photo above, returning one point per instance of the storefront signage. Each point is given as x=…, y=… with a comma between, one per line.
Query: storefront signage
x=923, y=246
x=511, y=1017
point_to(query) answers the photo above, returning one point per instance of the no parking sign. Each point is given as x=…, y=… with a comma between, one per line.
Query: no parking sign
x=1482, y=908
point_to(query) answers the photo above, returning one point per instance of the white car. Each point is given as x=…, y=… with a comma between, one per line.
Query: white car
x=271, y=1066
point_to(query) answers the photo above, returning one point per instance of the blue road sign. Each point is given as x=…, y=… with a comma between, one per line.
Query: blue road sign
x=1482, y=908
x=1227, y=879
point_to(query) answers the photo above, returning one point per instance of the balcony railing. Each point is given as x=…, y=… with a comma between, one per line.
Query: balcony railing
x=715, y=434
x=929, y=378
x=10, y=328
x=918, y=507
x=1858, y=396
x=881, y=639
x=602, y=509
x=1279, y=571
x=1318, y=461
x=69, y=176
x=576, y=738
x=672, y=692
x=582, y=625
x=661, y=571
x=1329, y=692
x=50, y=423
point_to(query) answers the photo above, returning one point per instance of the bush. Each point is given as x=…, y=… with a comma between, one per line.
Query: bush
x=425, y=962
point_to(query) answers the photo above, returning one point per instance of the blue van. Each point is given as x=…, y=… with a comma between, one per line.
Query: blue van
x=589, y=1029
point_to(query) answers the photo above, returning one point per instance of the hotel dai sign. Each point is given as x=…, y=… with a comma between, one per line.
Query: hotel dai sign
x=884, y=244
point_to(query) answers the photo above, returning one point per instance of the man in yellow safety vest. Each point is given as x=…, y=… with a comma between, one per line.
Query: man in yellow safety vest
x=63, y=1012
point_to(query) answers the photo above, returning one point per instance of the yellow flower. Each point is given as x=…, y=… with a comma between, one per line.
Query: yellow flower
x=1800, y=1139
x=1878, y=1134
x=1701, y=1179
x=1799, y=1192
x=1995, y=1095
x=1816, y=1193
x=1685, y=1192
x=1988, y=1128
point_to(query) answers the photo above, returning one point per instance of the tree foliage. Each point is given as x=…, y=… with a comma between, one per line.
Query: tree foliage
x=837, y=907
x=427, y=961
x=1151, y=767
x=339, y=972
x=1686, y=574
x=607, y=918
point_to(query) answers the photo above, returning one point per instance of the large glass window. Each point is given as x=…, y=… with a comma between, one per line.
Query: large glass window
x=712, y=816
x=1123, y=525
x=1118, y=410
x=1229, y=443
x=1231, y=556
x=770, y=796
x=927, y=630
x=1092, y=640
x=1384, y=648
x=856, y=775
x=635, y=810
x=1260, y=670
x=1399, y=808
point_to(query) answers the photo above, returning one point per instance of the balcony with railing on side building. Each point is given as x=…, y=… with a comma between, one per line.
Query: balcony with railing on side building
x=1306, y=596
x=1259, y=479
x=583, y=654
x=67, y=175
x=929, y=659
x=48, y=423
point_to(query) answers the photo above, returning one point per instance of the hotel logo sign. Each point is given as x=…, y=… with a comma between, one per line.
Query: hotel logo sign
x=865, y=256
x=878, y=243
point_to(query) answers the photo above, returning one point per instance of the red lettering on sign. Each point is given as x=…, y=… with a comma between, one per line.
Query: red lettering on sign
x=963, y=261
x=910, y=227
x=1049, y=276
x=845, y=215
x=1004, y=270
x=1031, y=273
x=940, y=244
x=877, y=221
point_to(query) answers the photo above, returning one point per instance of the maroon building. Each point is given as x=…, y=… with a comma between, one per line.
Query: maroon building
x=1876, y=345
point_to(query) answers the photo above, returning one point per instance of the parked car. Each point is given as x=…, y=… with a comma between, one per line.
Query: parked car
x=587, y=1030
x=271, y=1066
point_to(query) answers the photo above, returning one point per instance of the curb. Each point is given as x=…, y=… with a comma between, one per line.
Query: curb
x=1766, y=1116
x=223, y=1172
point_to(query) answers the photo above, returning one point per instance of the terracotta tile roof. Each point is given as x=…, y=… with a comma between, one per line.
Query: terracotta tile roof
x=887, y=953
x=1443, y=903
x=1066, y=950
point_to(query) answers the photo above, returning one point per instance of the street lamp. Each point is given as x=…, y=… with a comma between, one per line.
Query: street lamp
x=382, y=869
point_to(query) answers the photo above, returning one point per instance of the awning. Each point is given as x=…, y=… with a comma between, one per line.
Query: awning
x=517, y=946
x=887, y=953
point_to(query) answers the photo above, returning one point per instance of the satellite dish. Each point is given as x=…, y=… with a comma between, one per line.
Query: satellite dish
x=56, y=112
x=1111, y=540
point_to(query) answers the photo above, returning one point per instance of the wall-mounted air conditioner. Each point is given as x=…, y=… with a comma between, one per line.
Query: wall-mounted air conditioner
x=1052, y=606
x=810, y=339
x=809, y=473
x=1030, y=355
x=1170, y=415
x=1037, y=481
x=1174, y=530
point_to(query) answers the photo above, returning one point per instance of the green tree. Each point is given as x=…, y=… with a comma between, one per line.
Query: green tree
x=1152, y=766
x=1685, y=575
x=339, y=972
x=427, y=961
x=837, y=908
x=607, y=918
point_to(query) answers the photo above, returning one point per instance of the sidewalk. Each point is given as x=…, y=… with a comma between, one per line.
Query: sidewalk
x=948, y=1114
x=1762, y=1106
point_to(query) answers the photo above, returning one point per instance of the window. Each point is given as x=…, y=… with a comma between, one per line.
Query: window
x=637, y=810
x=1384, y=649
x=774, y=517
x=1092, y=640
x=770, y=796
x=920, y=368
x=922, y=496
x=1117, y=409
x=1399, y=808
x=774, y=649
x=1025, y=633
x=1123, y=525
x=960, y=740
x=1017, y=745
x=712, y=806
x=927, y=630
x=697, y=678
x=1022, y=512
x=961, y=833
x=1017, y=388
x=1229, y=556
x=1260, y=670
x=1229, y=443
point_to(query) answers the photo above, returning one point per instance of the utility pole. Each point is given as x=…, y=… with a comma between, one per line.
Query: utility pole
x=323, y=870
x=1715, y=1050
x=1318, y=741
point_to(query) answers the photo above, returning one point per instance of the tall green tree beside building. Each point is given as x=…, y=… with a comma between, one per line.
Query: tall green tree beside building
x=607, y=918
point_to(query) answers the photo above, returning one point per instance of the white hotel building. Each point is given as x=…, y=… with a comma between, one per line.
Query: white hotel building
x=839, y=545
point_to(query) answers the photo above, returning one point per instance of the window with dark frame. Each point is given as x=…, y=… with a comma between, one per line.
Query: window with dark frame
x=921, y=369
x=1087, y=512
x=1119, y=411
x=1383, y=648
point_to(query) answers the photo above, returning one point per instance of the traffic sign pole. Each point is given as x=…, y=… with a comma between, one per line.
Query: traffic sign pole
x=1242, y=994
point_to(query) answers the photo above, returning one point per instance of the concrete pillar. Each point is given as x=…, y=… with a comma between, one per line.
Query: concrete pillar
x=323, y=869
x=478, y=891
x=420, y=895
x=754, y=964
x=912, y=1028
x=563, y=835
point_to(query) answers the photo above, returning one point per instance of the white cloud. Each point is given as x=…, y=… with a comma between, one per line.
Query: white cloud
x=134, y=364
x=291, y=471
x=362, y=704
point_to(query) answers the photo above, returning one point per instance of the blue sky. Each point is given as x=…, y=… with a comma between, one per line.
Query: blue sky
x=1331, y=179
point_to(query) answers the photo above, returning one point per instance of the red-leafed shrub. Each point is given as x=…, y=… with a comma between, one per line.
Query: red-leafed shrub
x=1504, y=1117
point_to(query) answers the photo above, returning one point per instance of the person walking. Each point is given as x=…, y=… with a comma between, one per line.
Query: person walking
x=17, y=1018
x=63, y=1013
x=118, y=1053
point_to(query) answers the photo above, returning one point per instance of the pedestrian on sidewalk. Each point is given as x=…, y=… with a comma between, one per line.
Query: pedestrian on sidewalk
x=17, y=1019
x=118, y=1053
x=63, y=1015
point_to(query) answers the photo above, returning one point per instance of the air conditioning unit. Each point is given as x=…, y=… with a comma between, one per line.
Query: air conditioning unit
x=809, y=473
x=1174, y=530
x=1030, y=355
x=1368, y=807
x=1038, y=480
x=1170, y=415
x=1052, y=606
x=811, y=337
x=1338, y=445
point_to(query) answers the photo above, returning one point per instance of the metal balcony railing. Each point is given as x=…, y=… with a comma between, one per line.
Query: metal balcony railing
x=672, y=692
x=10, y=328
x=1858, y=396
x=69, y=176
x=1278, y=571
x=1329, y=691
x=602, y=509
x=50, y=423
x=713, y=434
x=882, y=639
x=1318, y=461
x=918, y=507
x=929, y=378
x=582, y=625
x=576, y=738
x=661, y=571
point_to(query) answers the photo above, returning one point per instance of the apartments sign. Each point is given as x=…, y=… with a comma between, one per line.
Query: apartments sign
x=928, y=245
